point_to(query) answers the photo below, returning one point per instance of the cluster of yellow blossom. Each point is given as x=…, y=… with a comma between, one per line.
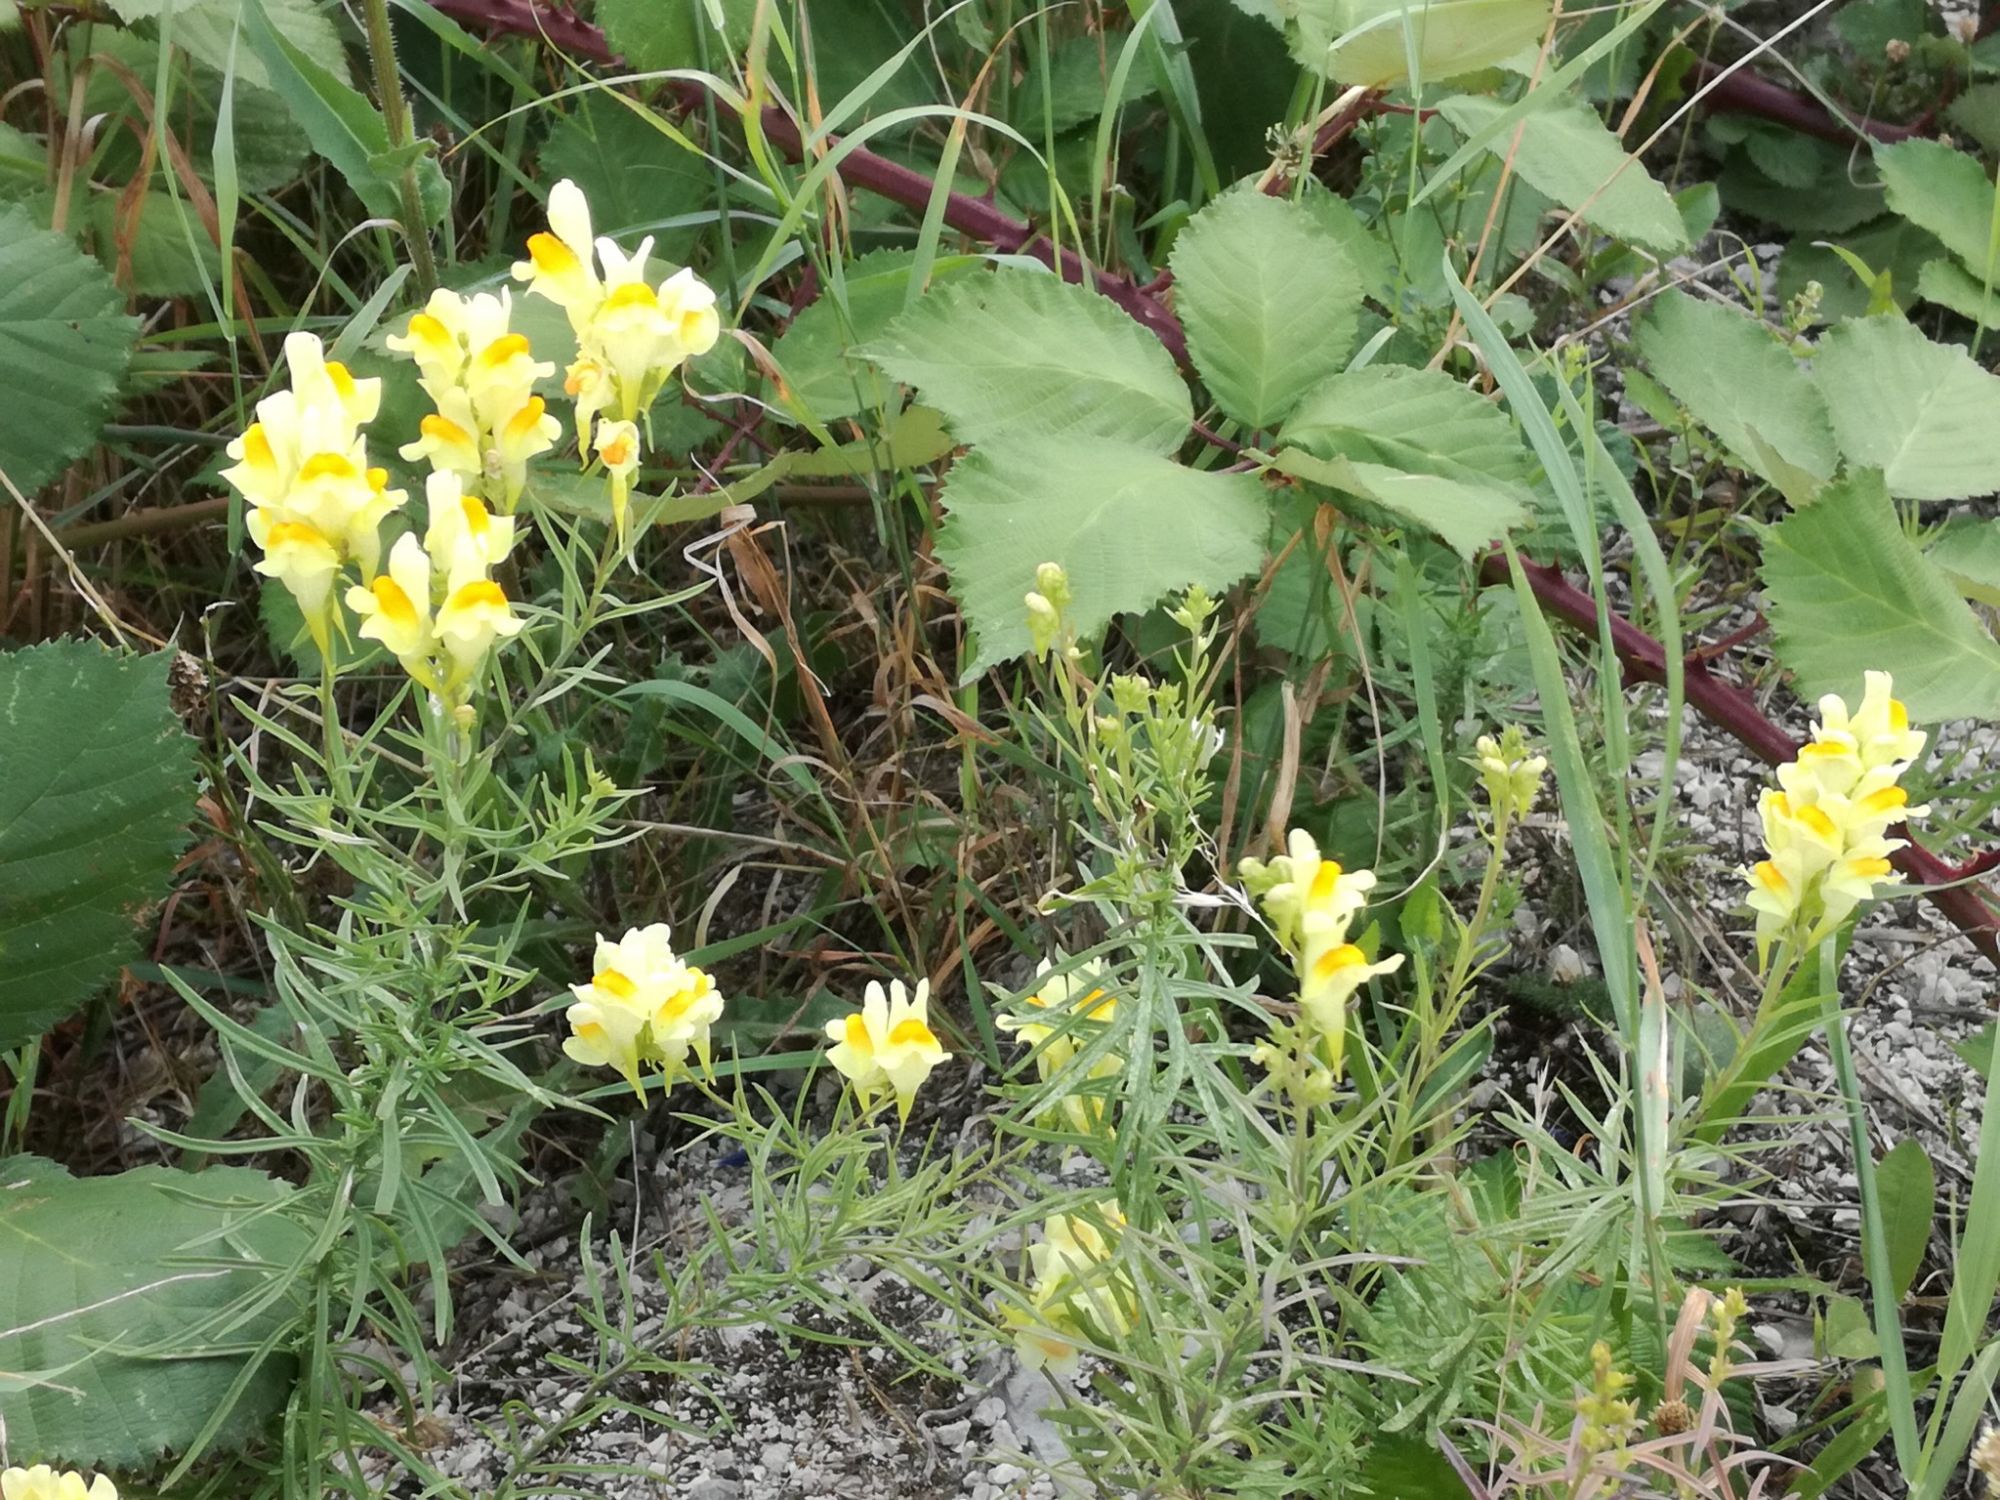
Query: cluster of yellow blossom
x=437, y=610
x=1511, y=776
x=1311, y=902
x=1610, y=1418
x=645, y=1006
x=887, y=1046
x=302, y=467
x=1076, y=1007
x=1079, y=1294
x=1825, y=828
x=481, y=377
x=630, y=335
x=44, y=1483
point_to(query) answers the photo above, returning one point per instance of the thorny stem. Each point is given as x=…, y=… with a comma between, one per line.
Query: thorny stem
x=396, y=118
x=1725, y=704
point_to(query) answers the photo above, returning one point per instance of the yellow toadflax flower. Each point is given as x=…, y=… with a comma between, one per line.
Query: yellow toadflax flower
x=481, y=376
x=618, y=445
x=1825, y=829
x=1311, y=901
x=644, y=1007
x=1079, y=1294
x=631, y=335
x=44, y=1483
x=1067, y=1010
x=887, y=1046
x=302, y=466
x=436, y=610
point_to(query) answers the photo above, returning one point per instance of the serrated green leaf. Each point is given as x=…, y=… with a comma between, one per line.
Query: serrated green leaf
x=1943, y=191
x=204, y=29
x=1834, y=204
x=1270, y=300
x=115, y=1283
x=653, y=34
x=1464, y=507
x=155, y=256
x=1074, y=87
x=65, y=345
x=1923, y=413
x=1967, y=549
x=1949, y=284
x=1848, y=593
x=1128, y=525
x=1019, y=353
x=1373, y=42
x=1726, y=369
x=1411, y=419
x=820, y=352
x=93, y=810
x=1566, y=152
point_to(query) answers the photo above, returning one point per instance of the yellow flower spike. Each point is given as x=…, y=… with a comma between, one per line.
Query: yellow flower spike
x=474, y=615
x=618, y=445
x=1079, y=1292
x=1311, y=902
x=587, y=382
x=559, y=265
x=689, y=305
x=887, y=1046
x=395, y=609
x=302, y=558
x=643, y=1008
x=43, y=1483
x=1824, y=833
x=448, y=438
x=464, y=539
x=529, y=431
x=1065, y=1011
x=319, y=381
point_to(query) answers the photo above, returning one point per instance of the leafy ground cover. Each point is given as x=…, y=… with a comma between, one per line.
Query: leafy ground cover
x=788, y=747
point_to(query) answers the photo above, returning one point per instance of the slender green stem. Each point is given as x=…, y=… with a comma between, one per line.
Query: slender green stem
x=396, y=117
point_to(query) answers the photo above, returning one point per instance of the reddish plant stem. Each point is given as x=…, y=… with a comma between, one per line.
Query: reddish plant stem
x=1730, y=707
x=1644, y=658
x=1745, y=93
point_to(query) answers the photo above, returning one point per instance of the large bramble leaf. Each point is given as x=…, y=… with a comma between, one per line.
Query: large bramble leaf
x=1376, y=42
x=1270, y=299
x=111, y=1288
x=1968, y=550
x=1725, y=367
x=819, y=351
x=636, y=178
x=94, y=802
x=1128, y=526
x=1923, y=413
x=65, y=344
x=208, y=31
x=1019, y=353
x=1947, y=283
x=1849, y=593
x=1944, y=191
x=655, y=34
x=1566, y=153
x=1418, y=444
